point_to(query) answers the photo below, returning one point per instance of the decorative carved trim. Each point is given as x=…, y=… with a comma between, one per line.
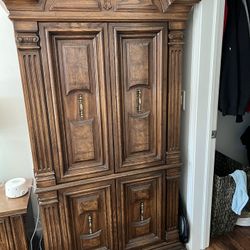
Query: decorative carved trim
x=21, y=5
x=27, y=41
x=173, y=157
x=176, y=37
x=46, y=179
x=35, y=100
x=107, y=5
x=6, y=239
x=66, y=5
x=172, y=204
x=165, y=4
x=25, y=8
x=134, y=6
x=52, y=232
x=48, y=198
x=173, y=173
x=12, y=233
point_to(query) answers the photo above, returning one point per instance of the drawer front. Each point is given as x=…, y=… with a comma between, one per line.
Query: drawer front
x=140, y=202
x=88, y=214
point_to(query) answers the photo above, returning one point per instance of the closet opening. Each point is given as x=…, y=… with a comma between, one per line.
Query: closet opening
x=230, y=212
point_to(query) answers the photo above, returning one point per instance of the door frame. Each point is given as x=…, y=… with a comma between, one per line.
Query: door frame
x=201, y=82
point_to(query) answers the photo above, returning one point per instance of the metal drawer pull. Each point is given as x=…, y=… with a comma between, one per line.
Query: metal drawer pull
x=81, y=106
x=139, y=100
x=142, y=211
x=90, y=224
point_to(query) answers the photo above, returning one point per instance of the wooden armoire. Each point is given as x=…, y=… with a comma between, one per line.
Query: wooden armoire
x=102, y=86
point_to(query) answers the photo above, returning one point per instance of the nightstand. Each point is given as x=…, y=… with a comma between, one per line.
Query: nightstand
x=12, y=212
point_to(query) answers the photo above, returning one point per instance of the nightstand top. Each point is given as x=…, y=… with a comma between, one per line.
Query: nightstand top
x=17, y=206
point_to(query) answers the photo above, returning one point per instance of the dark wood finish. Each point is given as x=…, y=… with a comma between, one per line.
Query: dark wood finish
x=52, y=223
x=10, y=207
x=139, y=85
x=141, y=201
x=90, y=212
x=175, y=36
x=12, y=231
x=239, y=239
x=102, y=86
x=74, y=59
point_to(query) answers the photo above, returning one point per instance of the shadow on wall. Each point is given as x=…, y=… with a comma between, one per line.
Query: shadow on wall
x=15, y=152
x=228, y=137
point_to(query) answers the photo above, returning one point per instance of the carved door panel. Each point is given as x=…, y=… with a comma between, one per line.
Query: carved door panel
x=80, y=95
x=139, y=90
x=140, y=200
x=88, y=212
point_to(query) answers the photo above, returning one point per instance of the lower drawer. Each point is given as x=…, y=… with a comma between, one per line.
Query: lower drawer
x=89, y=216
x=140, y=201
x=126, y=213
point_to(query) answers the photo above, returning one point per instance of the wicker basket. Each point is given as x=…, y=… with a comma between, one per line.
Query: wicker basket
x=223, y=218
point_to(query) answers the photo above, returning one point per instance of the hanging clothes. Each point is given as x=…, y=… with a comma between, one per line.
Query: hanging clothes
x=245, y=139
x=235, y=64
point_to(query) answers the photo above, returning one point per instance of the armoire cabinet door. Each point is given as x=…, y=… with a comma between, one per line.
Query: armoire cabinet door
x=139, y=92
x=79, y=94
x=140, y=215
x=88, y=212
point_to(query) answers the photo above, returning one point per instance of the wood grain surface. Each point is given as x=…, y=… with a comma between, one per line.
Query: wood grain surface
x=239, y=239
x=102, y=83
x=17, y=206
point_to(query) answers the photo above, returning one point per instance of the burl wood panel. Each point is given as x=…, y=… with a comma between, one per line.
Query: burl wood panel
x=141, y=200
x=80, y=95
x=139, y=90
x=89, y=214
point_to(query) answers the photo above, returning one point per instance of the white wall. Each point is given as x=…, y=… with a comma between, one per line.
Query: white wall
x=201, y=78
x=15, y=152
x=228, y=137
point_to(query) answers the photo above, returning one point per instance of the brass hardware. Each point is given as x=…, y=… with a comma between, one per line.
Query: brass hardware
x=142, y=211
x=139, y=100
x=90, y=224
x=81, y=106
